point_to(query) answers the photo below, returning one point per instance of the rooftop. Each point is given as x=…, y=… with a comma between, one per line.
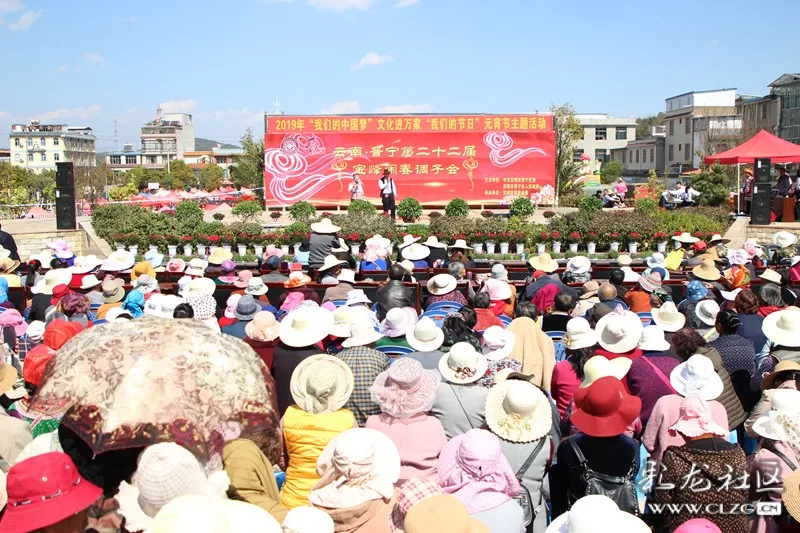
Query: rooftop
x=701, y=92
x=785, y=80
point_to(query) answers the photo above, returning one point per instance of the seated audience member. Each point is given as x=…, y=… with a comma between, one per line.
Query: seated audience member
x=184, y=310
x=426, y=339
x=648, y=376
x=261, y=334
x=770, y=299
x=366, y=363
x=398, y=322
x=526, y=309
x=394, y=293
x=542, y=270
x=500, y=295
x=486, y=318
x=459, y=253
x=746, y=306
x=499, y=272
x=785, y=376
x=329, y=270
x=444, y=288
x=303, y=253
x=534, y=350
x=270, y=270
x=608, y=295
x=375, y=254
x=345, y=279
x=558, y=318
x=738, y=356
x=578, y=270
x=417, y=254
x=587, y=299
x=460, y=403
x=617, y=278
x=456, y=328
x=579, y=346
x=639, y=298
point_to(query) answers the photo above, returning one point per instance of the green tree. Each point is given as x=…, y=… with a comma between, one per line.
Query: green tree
x=610, y=171
x=568, y=132
x=643, y=124
x=713, y=184
x=211, y=177
x=247, y=211
x=123, y=192
x=249, y=169
x=42, y=187
x=179, y=175
x=90, y=182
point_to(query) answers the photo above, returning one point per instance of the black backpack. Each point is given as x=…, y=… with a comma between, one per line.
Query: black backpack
x=621, y=489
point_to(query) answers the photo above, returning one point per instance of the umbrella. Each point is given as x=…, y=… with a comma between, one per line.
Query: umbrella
x=135, y=383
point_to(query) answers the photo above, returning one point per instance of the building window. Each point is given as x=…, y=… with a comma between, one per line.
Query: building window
x=30, y=158
x=687, y=152
x=637, y=155
x=55, y=141
x=679, y=147
x=601, y=155
x=130, y=159
x=600, y=134
x=222, y=160
x=688, y=129
x=652, y=154
x=116, y=159
x=763, y=111
x=671, y=152
x=17, y=142
x=630, y=156
x=576, y=156
x=152, y=160
x=30, y=142
x=44, y=157
x=672, y=127
x=622, y=134
x=56, y=157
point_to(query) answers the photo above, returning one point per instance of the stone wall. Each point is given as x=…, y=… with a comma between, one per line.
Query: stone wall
x=763, y=234
x=33, y=243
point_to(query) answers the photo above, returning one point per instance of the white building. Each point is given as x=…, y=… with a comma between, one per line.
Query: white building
x=601, y=134
x=224, y=157
x=167, y=137
x=39, y=147
x=124, y=160
x=688, y=128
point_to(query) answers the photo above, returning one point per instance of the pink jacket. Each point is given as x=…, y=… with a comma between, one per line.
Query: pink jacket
x=563, y=385
x=419, y=439
x=763, y=465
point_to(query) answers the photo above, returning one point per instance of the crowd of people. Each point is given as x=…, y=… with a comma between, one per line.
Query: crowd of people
x=575, y=401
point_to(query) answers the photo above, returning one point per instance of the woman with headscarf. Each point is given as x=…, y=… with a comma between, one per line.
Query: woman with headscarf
x=375, y=254
x=76, y=307
x=252, y=477
x=534, y=349
x=134, y=303
x=738, y=356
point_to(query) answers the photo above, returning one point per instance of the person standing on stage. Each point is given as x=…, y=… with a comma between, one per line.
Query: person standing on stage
x=356, y=188
x=388, y=192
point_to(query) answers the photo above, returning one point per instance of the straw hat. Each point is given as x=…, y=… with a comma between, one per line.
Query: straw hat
x=770, y=275
x=321, y=384
x=426, y=336
x=8, y=375
x=706, y=311
x=219, y=255
x=790, y=495
x=52, y=278
x=330, y=262
x=305, y=326
x=600, y=367
x=497, y=343
x=717, y=239
x=768, y=381
x=604, y=408
x=668, y=318
x=590, y=289
x=407, y=265
x=657, y=260
x=197, y=267
x=256, y=287
x=781, y=327
x=653, y=340
x=442, y=514
x=518, y=411
x=118, y=260
x=785, y=412
x=685, y=238
x=619, y=331
x=362, y=333
x=415, y=252
x=202, y=285
x=463, y=364
x=782, y=239
x=696, y=375
x=89, y=281
x=113, y=291
x=405, y=389
x=408, y=240
x=711, y=254
x=624, y=260
x=442, y=284
x=176, y=265
x=433, y=242
x=707, y=271
x=296, y=279
x=543, y=262
x=325, y=226
x=460, y=244
x=595, y=513
x=579, y=334
x=84, y=264
x=579, y=264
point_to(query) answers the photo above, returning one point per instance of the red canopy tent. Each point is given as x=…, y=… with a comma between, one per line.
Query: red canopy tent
x=762, y=144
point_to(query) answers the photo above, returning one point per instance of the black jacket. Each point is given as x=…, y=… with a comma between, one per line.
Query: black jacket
x=7, y=242
x=394, y=294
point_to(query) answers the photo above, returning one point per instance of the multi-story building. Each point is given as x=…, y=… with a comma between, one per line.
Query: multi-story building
x=5, y=155
x=124, y=160
x=787, y=88
x=759, y=113
x=682, y=111
x=642, y=155
x=39, y=147
x=224, y=157
x=165, y=138
x=601, y=134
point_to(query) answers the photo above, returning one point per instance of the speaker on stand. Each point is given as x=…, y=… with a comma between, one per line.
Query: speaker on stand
x=761, y=211
x=65, y=197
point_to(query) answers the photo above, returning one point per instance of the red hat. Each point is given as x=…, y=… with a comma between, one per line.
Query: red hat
x=604, y=408
x=35, y=363
x=43, y=491
x=58, y=332
x=75, y=283
x=700, y=246
x=296, y=267
x=59, y=291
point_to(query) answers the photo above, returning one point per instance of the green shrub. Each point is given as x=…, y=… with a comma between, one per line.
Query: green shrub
x=590, y=203
x=297, y=227
x=521, y=207
x=713, y=185
x=364, y=225
x=361, y=207
x=189, y=212
x=247, y=211
x=434, y=214
x=457, y=207
x=218, y=216
x=447, y=227
x=409, y=209
x=422, y=230
x=610, y=171
x=302, y=212
x=646, y=205
x=549, y=214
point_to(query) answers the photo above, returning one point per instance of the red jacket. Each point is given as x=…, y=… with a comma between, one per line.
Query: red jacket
x=486, y=319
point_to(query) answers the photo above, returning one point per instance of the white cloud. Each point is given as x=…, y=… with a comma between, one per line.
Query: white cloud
x=342, y=5
x=405, y=3
x=26, y=20
x=4, y=114
x=10, y=6
x=341, y=108
x=94, y=58
x=371, y=59
x=70, y=112
x=179, y=106
x=407, y=108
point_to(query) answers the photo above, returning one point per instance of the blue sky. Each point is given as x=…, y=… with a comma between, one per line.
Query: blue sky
x=93, y=61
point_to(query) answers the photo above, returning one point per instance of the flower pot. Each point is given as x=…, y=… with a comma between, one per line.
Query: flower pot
x=489, y=247
x=119, y=246
x=187, y=249
x=172, y=250
x=259, y=250
x=591, y=247
x=296, y=247
x=556, y=247
x=677, y=245
x=661, y=247
x=285, y=249
x=227, y=247
x=520, y=248
x=633, y=247
x=153, y=248
x=573, y=247
x=541, y=247
x=241, y=249
x=212, y=248
x=614, y=246
x=503, y=247
x=134, y=249
x=477, y=248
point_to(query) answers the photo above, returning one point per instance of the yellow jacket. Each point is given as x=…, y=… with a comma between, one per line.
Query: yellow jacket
x=306, y=435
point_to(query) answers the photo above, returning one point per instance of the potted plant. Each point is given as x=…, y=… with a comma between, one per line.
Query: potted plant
x=574, y=239
x=201, y=242
x=275, y=215
x=119, y=241
x=354, y=240
x=521, y=207
x=555, y=239
x=172, y=244
x=633, y=242
x=242, y=240
x=187, y=242
x=661, y=241
x=519, y=241
x=591, y=242
x=613, y=241
x=457, y=207
x=491, y=241
x=487, y=214
x=506, y=238
x=409, y=209
x=477, y=239
x=541, y=242
x=133, y=243
x=213, y=243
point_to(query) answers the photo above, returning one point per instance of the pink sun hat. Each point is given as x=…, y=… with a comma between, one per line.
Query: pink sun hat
x=695, y=419
x=406, y=389
x=272, y=250
x=230, y=305
x=12, y=318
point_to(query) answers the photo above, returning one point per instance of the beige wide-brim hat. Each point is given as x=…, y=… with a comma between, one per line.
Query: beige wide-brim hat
x=203, y=285
x=305, y=326
x=706, y=311
x=343, y=318
x=202, y=513
x=668, y=317
x=118, y=260
x=219, y=255
x=361, y=334
x=599, y=367
x=685, y=238
x=442, y=284
x=782, y=239
x=415, y=252
x=717, y=239
x=84, y=264
x=321, y=384
x=782, y=327
x=378, y=240
x=407, y=265
x=460, y=244
x=386, y=464
x=791, y=494
x=707, y=271
x=619, y=332
x=544, y=262
x=463, y=364
x=771, y=425
x=330, y=262
x=624, y=260
x=90, y=281
x=768, y=381
x=433, y=242
x=770, y=275
x=518, y=411
x=53, y=278
x=325, y=226
x=408, y=240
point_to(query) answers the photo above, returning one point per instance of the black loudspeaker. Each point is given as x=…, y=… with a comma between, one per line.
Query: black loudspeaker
x=65, y=176
x=762, y=171
x=65, y=208
x=761, y=207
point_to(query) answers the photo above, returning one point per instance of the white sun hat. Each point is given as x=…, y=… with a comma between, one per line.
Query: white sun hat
x=118, y=260
x=668, y=317
x=706, y=311
x=321, y=383
x=89, y=281
x=362, y=333
x=305, y=326
x=731, y=295
x=579, y=264
x=594, y=514
x=84, y=264
x=408, y=240
x=685, y=238
x=782, y=239
x=442, y=284
x=426, y=336
x=770, y=275
x=193, y=513
x=204, y=285
x=415, y=252
x=653, y=340
x=463, y=364
x=343, y=318
x=599, y=367
x=378, y=240
x=518, y=411
x=579, y=334
x=308, y=519
x=460, y=244
x=784, y=413
x=497, y=343
x=696, y=375
x=433, y=242
x=619, y=331
x=782, y=327
x=51, y=279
